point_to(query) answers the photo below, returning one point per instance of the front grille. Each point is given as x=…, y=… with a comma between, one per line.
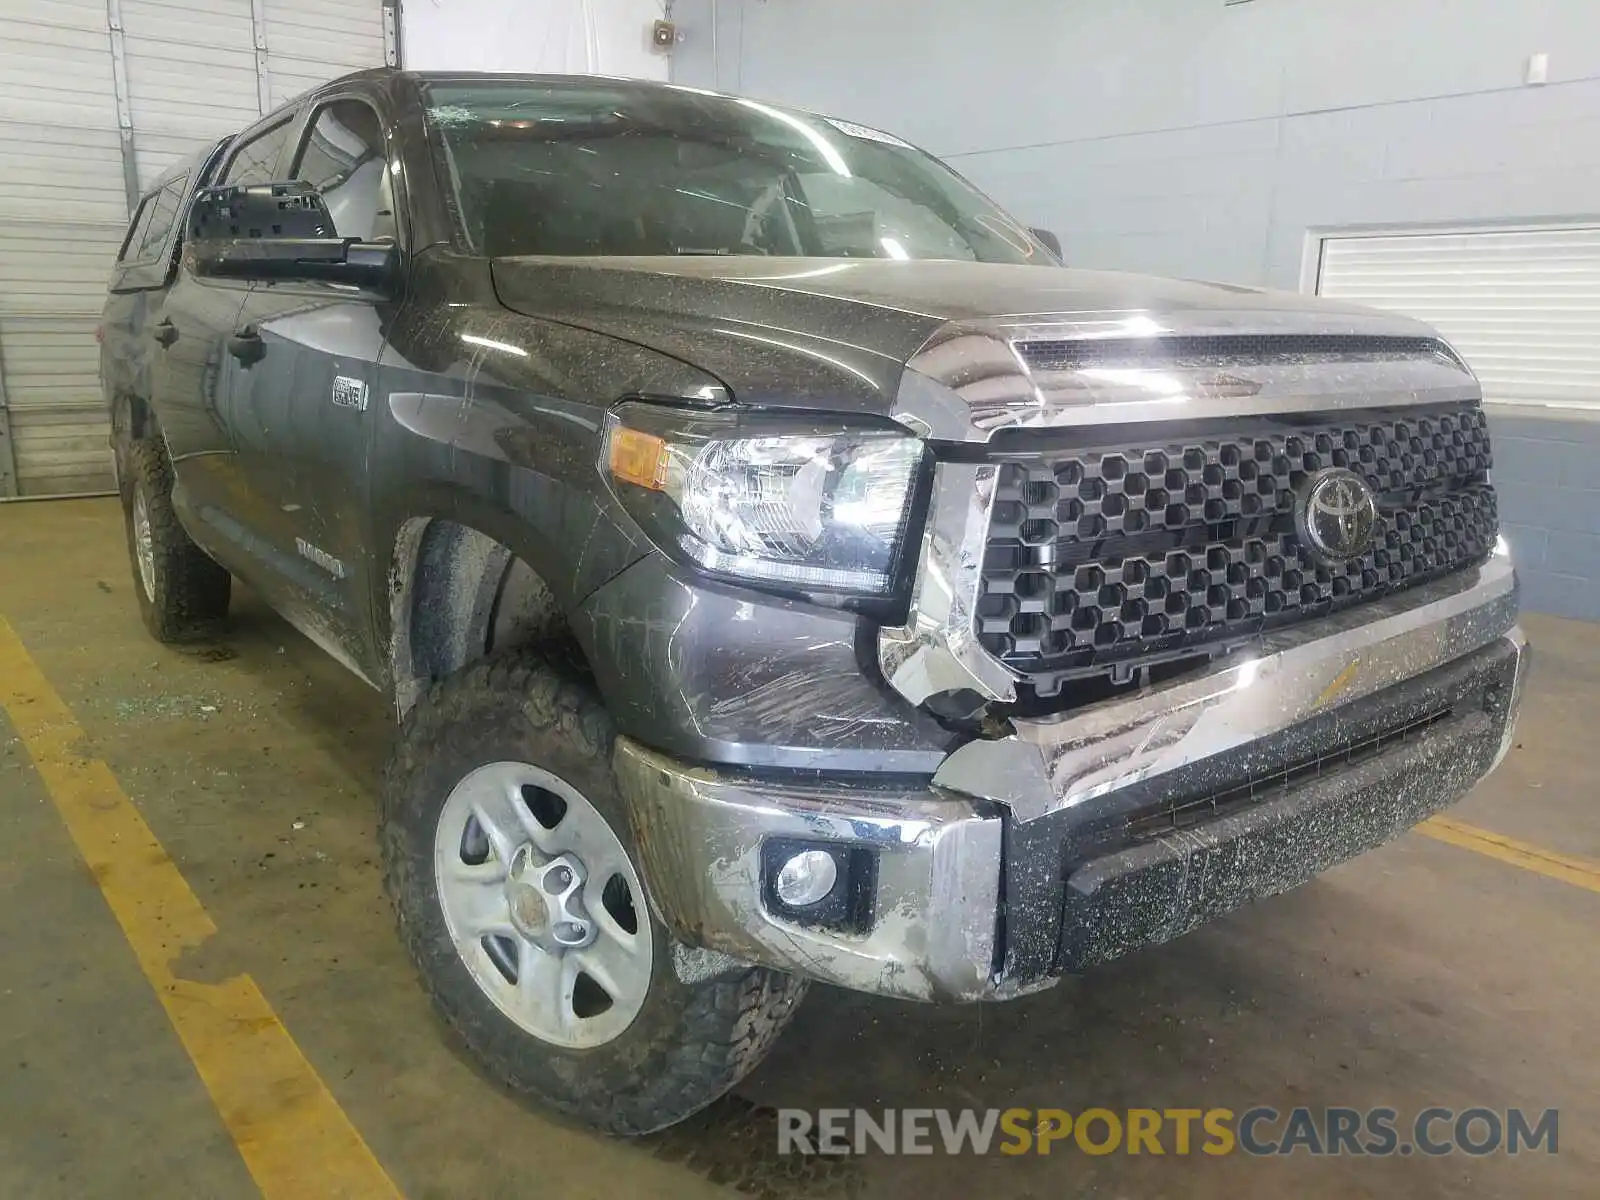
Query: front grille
x=1144, y=549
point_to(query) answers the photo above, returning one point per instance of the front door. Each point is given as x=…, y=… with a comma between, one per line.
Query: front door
x=301, y=428
x=194, y=376
x=190, y=378
x=306, y=354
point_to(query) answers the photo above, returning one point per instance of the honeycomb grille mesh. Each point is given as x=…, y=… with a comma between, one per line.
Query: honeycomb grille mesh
x=1150, y=548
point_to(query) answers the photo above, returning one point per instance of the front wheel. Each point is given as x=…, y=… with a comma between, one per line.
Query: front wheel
x=507, y=856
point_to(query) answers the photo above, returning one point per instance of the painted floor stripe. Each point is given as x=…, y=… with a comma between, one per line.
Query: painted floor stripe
x=1579, y=872
x=295, y=1139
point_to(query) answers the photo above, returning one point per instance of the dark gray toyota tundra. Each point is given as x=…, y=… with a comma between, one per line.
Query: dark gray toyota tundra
x=782, y=568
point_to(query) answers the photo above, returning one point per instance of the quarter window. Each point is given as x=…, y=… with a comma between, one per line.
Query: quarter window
x=163, y=213
x=136, y=230
x=158, y=212
x=343, y=158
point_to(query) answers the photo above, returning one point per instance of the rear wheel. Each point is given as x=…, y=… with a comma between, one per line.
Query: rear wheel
x=510, y=864
x=183, y=595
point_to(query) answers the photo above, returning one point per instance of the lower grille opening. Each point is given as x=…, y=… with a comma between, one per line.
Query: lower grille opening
x=1184, y=814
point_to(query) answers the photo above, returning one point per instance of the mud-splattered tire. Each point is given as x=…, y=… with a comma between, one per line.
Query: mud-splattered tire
x=686, y=1043
x=183, y=594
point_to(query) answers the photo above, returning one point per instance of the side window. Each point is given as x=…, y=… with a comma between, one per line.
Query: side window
x=147, y=233
x=343, y=158
x=163, y=212
x=256, y=161
x=136, y=230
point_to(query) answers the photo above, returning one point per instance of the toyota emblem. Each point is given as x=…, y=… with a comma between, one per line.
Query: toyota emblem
x=1337, y=515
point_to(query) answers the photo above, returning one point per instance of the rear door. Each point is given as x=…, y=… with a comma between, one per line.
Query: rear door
x=300, y=409
x=192, y=371
x=140, y=280
x=126, y=348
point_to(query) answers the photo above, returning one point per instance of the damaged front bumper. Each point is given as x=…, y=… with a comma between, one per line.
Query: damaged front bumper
x=1079, y=837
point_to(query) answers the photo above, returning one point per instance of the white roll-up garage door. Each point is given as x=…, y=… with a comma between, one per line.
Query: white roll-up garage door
x=191, y=75
x=1521, y=305
x=312, y=41
x=77, y=79
x=62, y=210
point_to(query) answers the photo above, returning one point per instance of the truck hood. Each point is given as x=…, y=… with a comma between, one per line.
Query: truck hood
x=839, y=333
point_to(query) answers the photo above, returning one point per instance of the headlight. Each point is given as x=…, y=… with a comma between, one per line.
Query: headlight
x=825, y=506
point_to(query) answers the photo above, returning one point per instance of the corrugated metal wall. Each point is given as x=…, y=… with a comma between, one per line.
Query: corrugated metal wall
x=91, y=91
x=62, y=210
x=312, y=41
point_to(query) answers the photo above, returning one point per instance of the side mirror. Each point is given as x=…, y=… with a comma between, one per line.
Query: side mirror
x=370, y=265
x=269, y=210
x=280, y=231
x=1051, y=241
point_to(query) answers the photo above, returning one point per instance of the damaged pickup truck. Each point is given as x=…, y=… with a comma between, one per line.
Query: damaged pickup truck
x=782, y=568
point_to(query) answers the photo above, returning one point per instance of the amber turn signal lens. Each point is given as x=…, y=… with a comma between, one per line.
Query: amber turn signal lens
x=639, y=458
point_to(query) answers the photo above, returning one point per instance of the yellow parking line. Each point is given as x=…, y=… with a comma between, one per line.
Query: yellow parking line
x=294, y=1137
x=1577, y=871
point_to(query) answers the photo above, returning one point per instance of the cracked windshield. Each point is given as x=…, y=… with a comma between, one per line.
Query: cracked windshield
x=614, y=170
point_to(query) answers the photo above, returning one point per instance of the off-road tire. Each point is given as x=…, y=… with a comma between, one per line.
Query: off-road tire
x=188, y=595
x=691, y=1042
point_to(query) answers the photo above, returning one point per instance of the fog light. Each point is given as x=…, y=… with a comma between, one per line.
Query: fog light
x=807, y=878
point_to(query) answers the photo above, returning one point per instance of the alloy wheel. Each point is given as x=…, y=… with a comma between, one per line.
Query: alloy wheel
x=543, y=905
x=144, y=544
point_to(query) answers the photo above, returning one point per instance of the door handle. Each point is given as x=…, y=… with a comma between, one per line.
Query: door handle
x=246, y=345
x=166, y=333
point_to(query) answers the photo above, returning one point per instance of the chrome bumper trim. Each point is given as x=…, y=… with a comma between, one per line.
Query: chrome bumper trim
x=1056, y=762
x=938, y=649
x=699, y=835
x=1518, y=684
x=935, y=933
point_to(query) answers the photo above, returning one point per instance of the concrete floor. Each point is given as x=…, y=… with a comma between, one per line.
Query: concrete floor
x=1420, y=974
